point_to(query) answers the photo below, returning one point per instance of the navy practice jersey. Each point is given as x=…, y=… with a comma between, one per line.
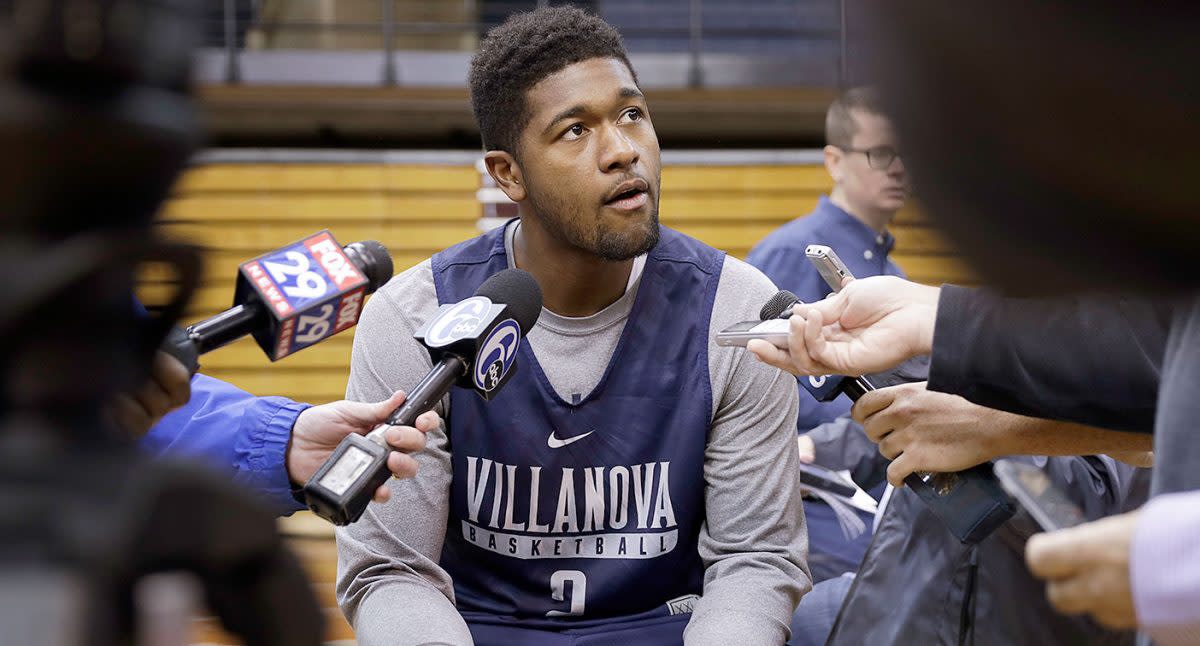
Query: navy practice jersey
x=566, y=513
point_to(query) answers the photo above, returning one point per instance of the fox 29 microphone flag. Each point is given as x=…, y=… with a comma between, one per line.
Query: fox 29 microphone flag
x=311, y=289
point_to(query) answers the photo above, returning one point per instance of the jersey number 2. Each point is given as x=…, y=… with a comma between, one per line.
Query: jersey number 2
x=558, y=592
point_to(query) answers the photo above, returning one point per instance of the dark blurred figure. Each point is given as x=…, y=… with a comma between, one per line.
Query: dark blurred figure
x=1055, y=142
x=95, y=126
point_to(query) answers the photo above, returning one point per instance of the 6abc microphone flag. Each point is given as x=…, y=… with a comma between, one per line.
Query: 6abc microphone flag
x=473, y=344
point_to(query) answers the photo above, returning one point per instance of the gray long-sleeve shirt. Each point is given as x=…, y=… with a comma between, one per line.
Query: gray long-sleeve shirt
x=753, y=543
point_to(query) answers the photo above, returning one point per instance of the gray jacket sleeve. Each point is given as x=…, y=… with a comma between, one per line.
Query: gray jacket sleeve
x=753, y=543
x=389, y=583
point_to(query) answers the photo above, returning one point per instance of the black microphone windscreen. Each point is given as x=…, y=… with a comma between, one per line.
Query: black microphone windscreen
x=373, y=259
x=778, y=303
x=517, y=289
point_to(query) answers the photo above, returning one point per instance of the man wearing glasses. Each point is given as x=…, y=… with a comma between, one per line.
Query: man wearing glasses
x=869, y=186
x=979, y=594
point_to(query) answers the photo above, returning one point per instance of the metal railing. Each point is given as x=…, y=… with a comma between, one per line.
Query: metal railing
x=692, y=31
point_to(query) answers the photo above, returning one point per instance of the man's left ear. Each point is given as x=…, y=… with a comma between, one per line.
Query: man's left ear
x=833, y=163
x=503, y=168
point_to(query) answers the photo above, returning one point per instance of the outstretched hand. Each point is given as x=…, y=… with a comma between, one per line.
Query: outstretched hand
x=1087, y=569
x=870, y=325
x=922, y=430
x=319, y=430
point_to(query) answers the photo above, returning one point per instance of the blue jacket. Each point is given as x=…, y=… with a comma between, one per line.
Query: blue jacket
x=237, y=433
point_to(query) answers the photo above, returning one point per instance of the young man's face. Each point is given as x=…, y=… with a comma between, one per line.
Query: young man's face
x=866, y=180
x=590, y=160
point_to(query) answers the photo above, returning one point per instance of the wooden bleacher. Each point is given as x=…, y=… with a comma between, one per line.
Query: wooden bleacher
x=238, y=211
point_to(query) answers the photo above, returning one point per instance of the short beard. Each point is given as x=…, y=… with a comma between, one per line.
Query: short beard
x=617, y=248
x=611, y=247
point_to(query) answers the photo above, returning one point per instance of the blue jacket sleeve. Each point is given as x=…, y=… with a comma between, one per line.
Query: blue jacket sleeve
x=235, y=432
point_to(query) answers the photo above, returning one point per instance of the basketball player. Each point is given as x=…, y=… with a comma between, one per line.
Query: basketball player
x=633, y=482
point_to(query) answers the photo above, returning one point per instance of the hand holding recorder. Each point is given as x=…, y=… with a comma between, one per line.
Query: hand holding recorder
x=870, y=325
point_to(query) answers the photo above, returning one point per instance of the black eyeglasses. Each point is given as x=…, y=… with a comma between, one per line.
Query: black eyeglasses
x=879, y=157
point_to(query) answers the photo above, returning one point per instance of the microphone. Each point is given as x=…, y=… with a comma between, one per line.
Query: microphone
x=823, y=388
x=970, y=503
x=473, y=344
x=780, y=306
x=291, y=298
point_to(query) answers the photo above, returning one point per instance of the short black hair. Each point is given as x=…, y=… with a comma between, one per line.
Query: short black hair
x=840, y=125
x=527, y=48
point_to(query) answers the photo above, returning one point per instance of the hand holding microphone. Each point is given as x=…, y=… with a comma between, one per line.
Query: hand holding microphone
x=287, y=299
x=920, y=430
x=970, y=503
x=473, y=344
x=168, y=388
x=871, y=325
x=319, y=430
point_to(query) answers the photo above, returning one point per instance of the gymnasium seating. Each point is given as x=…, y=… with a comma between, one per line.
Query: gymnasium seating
x=238, y=211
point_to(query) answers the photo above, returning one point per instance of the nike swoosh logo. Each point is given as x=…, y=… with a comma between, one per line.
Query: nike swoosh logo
x=555, y=443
